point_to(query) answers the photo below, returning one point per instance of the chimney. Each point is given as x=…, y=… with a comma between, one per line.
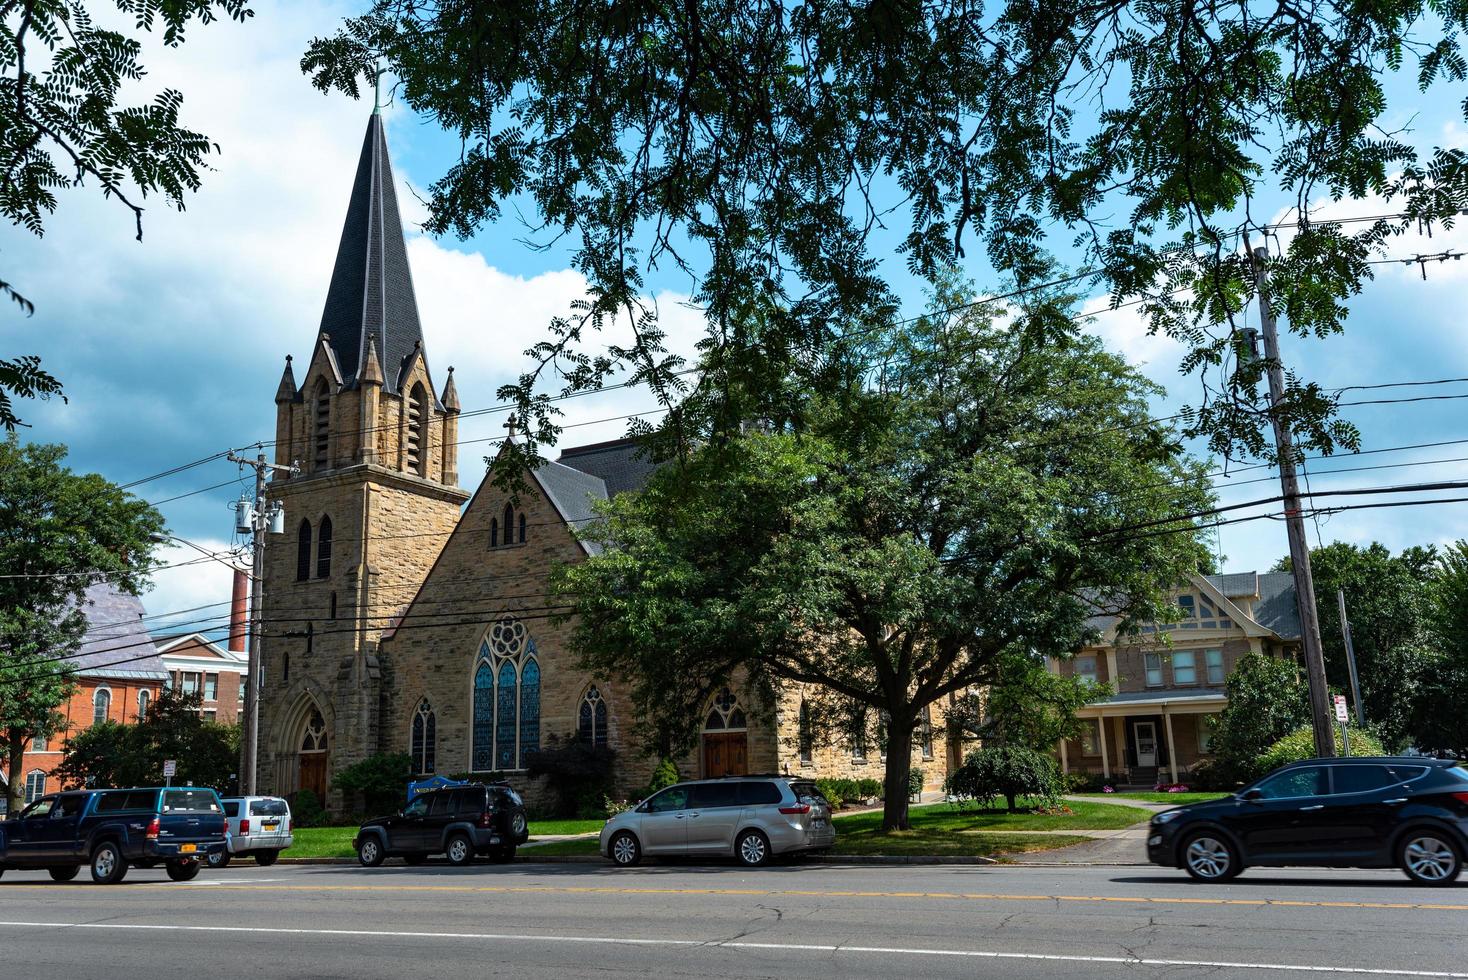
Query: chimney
x=239, y=611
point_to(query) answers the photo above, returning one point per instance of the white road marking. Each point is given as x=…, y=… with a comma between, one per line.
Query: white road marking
x=736, y=944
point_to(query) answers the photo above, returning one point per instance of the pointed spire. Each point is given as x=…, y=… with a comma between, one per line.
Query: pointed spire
x=450, y=397
x=287, y=390
x=371, y=293
x=371, y=367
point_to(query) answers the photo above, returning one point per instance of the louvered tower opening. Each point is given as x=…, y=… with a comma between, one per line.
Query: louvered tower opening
x=321, y=432
x=416, y=448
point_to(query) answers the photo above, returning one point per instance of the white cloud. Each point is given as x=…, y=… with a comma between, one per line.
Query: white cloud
x=200, y=582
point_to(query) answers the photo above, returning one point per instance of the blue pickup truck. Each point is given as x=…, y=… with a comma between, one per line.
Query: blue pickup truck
x=113, y=829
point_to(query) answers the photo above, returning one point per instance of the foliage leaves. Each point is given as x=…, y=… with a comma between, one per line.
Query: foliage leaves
x=110, y=755
x=1005, y=772
x=1266, y=701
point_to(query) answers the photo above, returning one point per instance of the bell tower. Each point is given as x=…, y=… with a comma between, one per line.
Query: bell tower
x=375, y=500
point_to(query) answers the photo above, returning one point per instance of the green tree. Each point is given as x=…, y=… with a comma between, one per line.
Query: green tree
x=1388, y=600
x=1007, y=772
x=804, y=153
x=59, y=532
x=1299, y=745
x=381, y=779
x=1440, y=724
x=1027, y=705
x=1266, y=701
x=112, y=755
x=61, y=125
x=963, y=496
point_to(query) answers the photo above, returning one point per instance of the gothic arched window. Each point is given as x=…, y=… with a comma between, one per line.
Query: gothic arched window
x=522, y=527
x=591, y=719
x=494, y=532
x=321, y=427
x=725, y=714
x=144, y=696
x=424, y=744
x=303, y=552
x=102, y=705
x=506, y=699
x=509, y=524
x=417, y=434
x=807, y=735
x=323, y=549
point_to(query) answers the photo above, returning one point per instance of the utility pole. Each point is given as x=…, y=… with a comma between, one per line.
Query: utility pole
x=261, y=519
x=1284, y=444
x=1340, y=598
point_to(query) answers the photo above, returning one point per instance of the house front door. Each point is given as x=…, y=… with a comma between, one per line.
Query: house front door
x=1144, y=734
x=725, y=754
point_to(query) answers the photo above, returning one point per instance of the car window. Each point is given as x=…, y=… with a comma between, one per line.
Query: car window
x=715, y=795
x=267, y=808
x=443, y=804
x=670, y=799
x=68, y=806
x=123, y=800
x=38, y=809
x=810, y=794
x=504, y=796
x=418, y=808
x=758, y=794
x=231, y=809
x=190, y=801
x=1359, y=779
x=1402, y=774
x=1305, y=781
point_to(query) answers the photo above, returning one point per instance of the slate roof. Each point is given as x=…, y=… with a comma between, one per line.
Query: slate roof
x=621, y=463
x=1276, y=608
x=1237, y=585
x=371, y=291
x=115, y=632
x=573, y=493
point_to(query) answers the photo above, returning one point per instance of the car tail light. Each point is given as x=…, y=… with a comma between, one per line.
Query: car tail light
x=152, y=832
x=486, y=819
x=244, y=827
x=1461, y=797
x=798, y=808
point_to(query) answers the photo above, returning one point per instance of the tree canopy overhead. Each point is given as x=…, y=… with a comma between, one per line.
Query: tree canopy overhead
x=62, y=73
x=785, y=155
x=961, y=499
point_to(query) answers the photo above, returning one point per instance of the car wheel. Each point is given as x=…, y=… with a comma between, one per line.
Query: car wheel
x=108, y=865
x=266, y=858
x=414, y=859
x=625, y=850
x=1428, y=858
x=460, y=850
x=518, y=826
x=183, y=870
x=66, y=872
x=219, y=859
x=369, y=852
x=1209, y=857
x=753, y=849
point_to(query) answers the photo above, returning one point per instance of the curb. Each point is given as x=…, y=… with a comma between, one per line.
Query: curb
x=850, y=859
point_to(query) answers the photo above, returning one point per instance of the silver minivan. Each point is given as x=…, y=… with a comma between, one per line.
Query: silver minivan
x=258, y=827
x=752, y=818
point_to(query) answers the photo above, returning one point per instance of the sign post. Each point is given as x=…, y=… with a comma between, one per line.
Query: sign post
x=170, y=769
x=1341, y=716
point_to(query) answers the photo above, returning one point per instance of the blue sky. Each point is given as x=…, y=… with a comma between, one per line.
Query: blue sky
x=171, y=348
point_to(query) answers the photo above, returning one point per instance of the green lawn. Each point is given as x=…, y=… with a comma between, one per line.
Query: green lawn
x=540, y=828
x=1176, y=799
x=946, y=818
x=336, y=842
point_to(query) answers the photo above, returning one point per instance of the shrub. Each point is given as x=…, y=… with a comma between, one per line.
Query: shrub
x=577, y=776
x=382, y=781
x=1300, y=744
x=611, y=807
x=870, y=788
x=306, y=810
x=915, y=780
x=665, y=775
x=1083, y=782
x=1008, y=771
x=840, y=791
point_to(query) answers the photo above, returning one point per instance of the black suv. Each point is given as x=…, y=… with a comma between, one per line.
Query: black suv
x=456, y=821
x=1410, y=813
x=110, y=830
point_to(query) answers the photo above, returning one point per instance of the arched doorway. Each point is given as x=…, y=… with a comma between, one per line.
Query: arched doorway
x=725, y=738
x=311, y=762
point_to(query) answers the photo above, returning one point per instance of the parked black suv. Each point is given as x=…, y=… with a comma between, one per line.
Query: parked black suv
x=456, y=821
x=112, y=829
x=1407, y=812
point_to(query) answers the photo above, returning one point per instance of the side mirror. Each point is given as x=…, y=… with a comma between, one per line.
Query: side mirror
x=1251, y=796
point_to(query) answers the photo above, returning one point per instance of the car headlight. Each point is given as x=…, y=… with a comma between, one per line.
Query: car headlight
x=1167, y=816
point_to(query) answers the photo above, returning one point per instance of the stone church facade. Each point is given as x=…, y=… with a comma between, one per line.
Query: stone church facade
x=409, y=615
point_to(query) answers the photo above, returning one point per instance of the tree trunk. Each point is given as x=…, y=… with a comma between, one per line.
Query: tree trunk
x=899, y=768
x=15, y=772
x=1012, y=800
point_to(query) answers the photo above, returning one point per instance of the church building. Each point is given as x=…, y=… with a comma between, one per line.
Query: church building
x=408, y=614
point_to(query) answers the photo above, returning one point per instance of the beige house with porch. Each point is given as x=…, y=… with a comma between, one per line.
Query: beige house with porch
x=1168, y=682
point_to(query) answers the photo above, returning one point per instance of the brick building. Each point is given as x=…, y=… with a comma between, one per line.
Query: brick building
x=414, y=615
x=118, y=672
x=1168, y=682
x=198, y=665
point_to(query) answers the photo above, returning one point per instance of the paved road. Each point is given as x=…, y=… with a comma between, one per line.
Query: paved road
x=530, y=920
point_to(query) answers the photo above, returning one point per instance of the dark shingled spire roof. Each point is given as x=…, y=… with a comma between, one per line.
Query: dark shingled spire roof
x=371, y=290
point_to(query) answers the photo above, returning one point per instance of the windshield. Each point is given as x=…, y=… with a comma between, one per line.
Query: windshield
x=190, y=801
x=810, y=794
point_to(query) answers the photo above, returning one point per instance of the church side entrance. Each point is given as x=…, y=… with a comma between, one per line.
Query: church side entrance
x=725, y=738
x=311, y=763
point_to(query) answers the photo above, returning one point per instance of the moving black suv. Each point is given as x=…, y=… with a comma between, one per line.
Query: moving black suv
x=110, y=830
x=1410, y=813
x=456, y=821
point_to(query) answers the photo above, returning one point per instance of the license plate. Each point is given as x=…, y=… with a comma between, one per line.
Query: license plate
x=272, y=826
x=187, y=848
x=818, y=822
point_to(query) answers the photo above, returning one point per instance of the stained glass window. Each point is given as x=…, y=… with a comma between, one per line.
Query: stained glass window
x=483, y=754
x=504, y=723
x=529, y=709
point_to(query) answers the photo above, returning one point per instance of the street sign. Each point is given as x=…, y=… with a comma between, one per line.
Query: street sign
x=170, y=769
x=1340, y=708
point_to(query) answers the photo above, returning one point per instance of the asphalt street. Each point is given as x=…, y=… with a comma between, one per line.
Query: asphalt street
x=548, y=920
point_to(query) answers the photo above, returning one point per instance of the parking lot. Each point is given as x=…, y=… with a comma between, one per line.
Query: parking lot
x=589, y=920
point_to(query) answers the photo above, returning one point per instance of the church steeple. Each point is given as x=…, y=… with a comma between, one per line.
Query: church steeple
x=371, y=292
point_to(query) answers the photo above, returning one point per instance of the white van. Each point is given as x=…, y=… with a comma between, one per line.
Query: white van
x=258, y=826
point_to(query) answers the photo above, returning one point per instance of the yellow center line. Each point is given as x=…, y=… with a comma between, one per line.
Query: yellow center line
x=818, y=893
